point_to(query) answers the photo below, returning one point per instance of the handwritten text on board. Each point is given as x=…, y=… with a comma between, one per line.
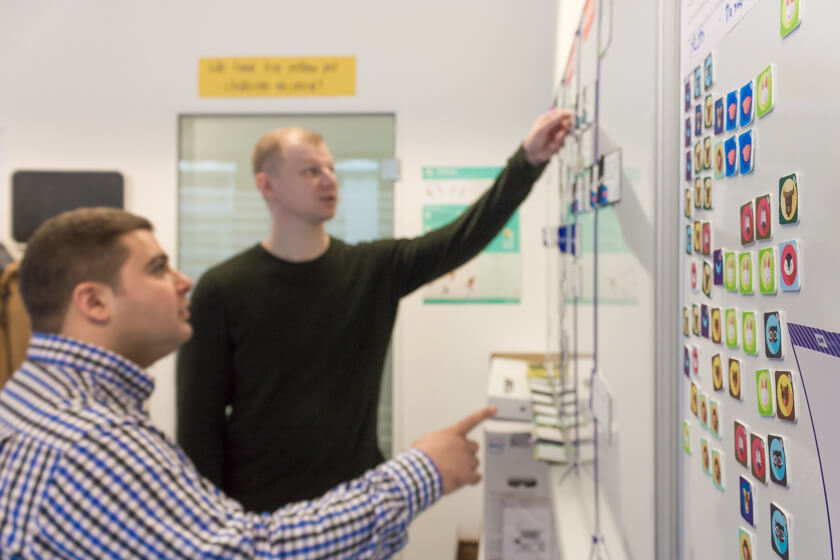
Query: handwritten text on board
x=277, y=76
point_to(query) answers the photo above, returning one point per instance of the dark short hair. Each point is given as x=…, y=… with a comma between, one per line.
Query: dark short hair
x=81, y=245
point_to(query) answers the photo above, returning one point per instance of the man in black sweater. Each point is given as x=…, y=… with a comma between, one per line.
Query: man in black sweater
x=279, y=386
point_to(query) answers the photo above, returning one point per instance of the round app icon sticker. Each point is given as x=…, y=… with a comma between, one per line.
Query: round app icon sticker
x=778, y=461
x=779, y=531
x=785, y=402
x=716, y=325
x=747, y=224
x=718, y=160
x=746, y=547
x=789, y=266
x=759, y=467
x=741, y=453
x=704, y=411
x=704, y=448
x=717, y=372
x=695, y=361
x=714, y=418
x=692, y=277
x=686, y=361
x=764, y=392
x=694, y=399
x=717, y=470
x=762, y=221
x=735, y=378
x=772, y=335
x=789, y=199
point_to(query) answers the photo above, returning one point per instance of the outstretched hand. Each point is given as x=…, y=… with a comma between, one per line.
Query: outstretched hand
x=452, y=453
x=547, y=135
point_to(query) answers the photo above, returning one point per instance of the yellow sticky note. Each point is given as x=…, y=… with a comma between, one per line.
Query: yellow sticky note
x=307, y=76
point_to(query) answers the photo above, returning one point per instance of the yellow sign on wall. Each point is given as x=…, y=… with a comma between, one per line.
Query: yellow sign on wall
x=310, y=76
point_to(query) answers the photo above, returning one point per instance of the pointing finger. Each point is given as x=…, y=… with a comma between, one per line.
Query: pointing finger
x=465, y=425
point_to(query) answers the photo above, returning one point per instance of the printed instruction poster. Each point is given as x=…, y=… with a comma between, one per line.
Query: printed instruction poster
x=495, y=274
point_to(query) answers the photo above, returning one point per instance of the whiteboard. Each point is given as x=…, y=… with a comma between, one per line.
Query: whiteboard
x=796, y=136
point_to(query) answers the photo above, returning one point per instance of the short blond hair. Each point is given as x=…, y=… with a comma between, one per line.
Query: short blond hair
x=269, y=148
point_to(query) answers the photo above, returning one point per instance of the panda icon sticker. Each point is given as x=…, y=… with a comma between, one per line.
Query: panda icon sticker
x=772, y=335
x=778, y=460
x=789, y=266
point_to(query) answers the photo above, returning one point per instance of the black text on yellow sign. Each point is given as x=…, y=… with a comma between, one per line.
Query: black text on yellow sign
x=311, y=76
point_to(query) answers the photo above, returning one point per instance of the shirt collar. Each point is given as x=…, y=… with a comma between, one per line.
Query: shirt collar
x=112, y=376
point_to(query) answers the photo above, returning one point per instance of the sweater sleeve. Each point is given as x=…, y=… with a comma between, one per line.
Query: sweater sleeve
x=204, y=381
x=422, y=259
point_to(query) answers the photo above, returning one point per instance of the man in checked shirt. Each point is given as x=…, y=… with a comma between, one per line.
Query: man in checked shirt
x=84, y=473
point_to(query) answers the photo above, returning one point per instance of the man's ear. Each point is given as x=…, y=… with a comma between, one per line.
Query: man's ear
x=263, y=181
x=93, y=301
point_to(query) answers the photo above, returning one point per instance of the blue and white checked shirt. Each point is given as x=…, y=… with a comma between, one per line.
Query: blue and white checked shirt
x=84, y=474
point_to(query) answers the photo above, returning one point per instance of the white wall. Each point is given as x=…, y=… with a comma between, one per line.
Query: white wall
x=96, y=85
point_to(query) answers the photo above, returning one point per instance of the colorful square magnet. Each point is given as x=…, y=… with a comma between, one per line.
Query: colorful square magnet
x=698, y=121
x=688, y=132
x=709, y=112
x=707, y=193
x=746, y=545
x=720, y=120
x=686, y=437
x=688, y=203
x=789, y=199
x=716, y=325
x=689, y=239
x=763, y=218
x=704, y=321
x=764, y=96
x=719, y=167
x=746, y=152
x=698, y=82
x=730, y=279
x=695, y=316
x=780, y=528
x=747, y=107
x=698, y=236
x=789, y=266
x=778, y=460
x=717, y=373
x=746, y=276
x=735, y=378
x=698, y=192
x=759, y=458
x=730, y=148
x=748, y=328
x=747, y=500
x=687, y=95
x=704, y=410
x=705, y=456
x=764, y=392
x=693, y=275
x=707, y=278
x=732, y=110
x=790, y=17
x=707, y=240
x=742, y=453
x=686, y=360
x=747, y=223
x=708, y=71
x=695, y=362
x=698, y=157
x=707, y=152
x=772, y=335
x=686, y=326
x=785, y=401
x=714, y=418
x=717, y=469
x=688, y=165
x=730, y=319
x=717, y=260
x=767, y=271
x=694, y=396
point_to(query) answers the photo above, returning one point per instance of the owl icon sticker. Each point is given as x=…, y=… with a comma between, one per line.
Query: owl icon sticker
x=718, y=161
x=778, y=460
x=717, y=374
x=717, y=267
x=779, y=531
x=730, y=148
x=772, y=335
x=767, y=271
x=759, y=458
x=748, y=322
x=746, y=152
x=745, y=273
x=789, y=266
x=763, y=217
x=732, y=110
x=730, y=279
x=785, y=401
x=735, y=378
x=716, y=325
x=742, y=453
x=730, y=324
x=747, y=500
x=764, y=96
x=789, y=199
x=746, y=108
x=764, y=392
x=747, y=223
